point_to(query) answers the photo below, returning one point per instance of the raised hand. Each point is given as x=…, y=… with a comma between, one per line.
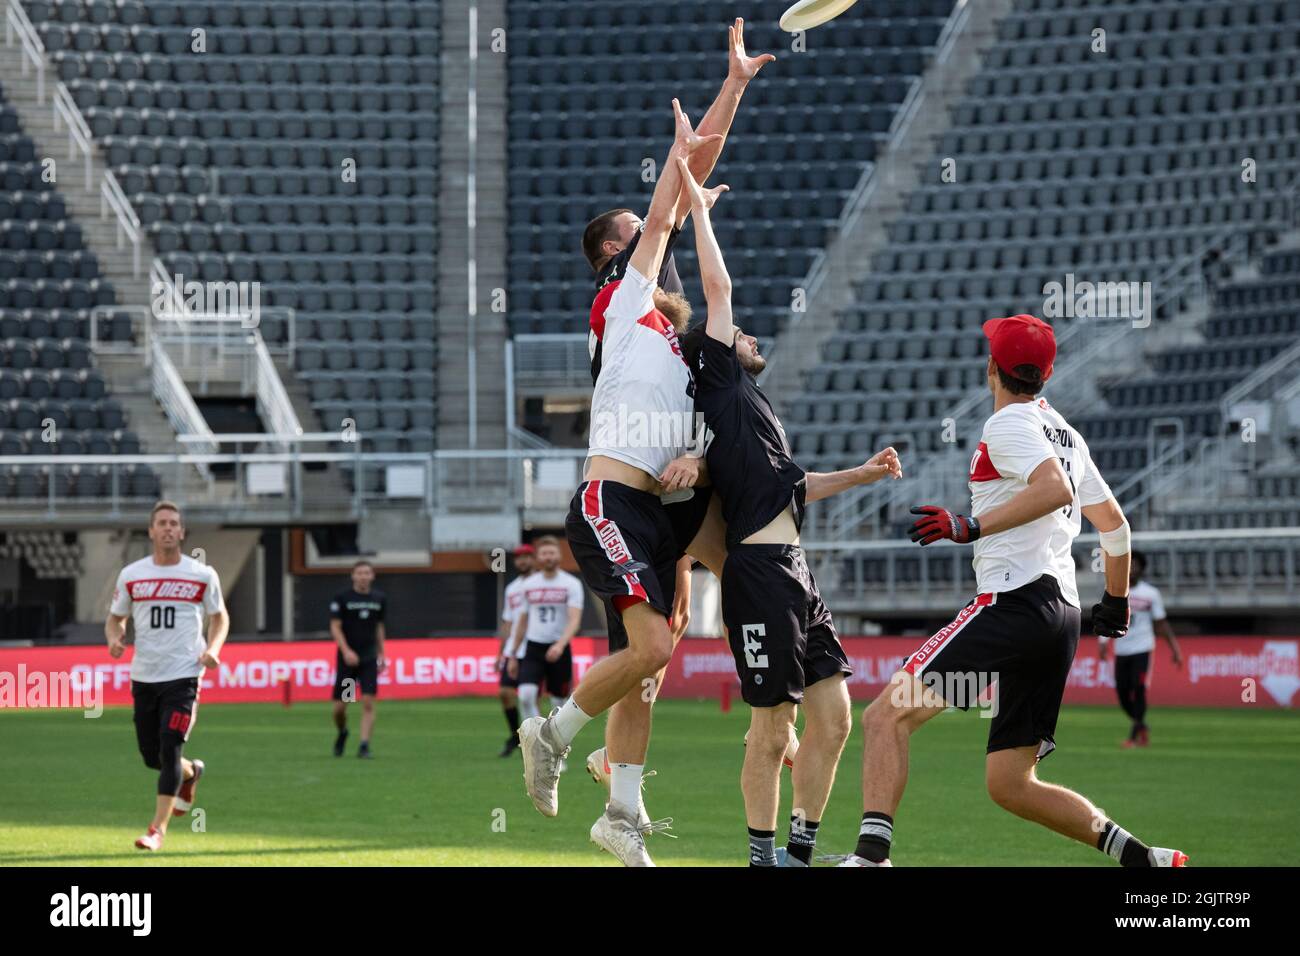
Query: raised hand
x=688, y=141
x=741, y=66
x=700, y=198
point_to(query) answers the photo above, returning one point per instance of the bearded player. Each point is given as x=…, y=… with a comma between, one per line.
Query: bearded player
x=1031, y=480
x=166, y=595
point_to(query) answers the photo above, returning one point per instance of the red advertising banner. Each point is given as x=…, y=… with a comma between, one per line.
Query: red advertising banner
x=1217, y=672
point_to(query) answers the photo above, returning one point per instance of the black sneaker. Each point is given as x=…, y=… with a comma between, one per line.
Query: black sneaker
x=339, y=741
x=512, y=744
x=364, y=751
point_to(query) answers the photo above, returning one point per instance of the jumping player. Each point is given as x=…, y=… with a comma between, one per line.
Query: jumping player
x=166, y=595
x=1133, y=650
x=617, y=526
x=781, y=634
x=357, y=626
x=608, y=243
x=1031, y=480
x=513, y=600
x=549, y=616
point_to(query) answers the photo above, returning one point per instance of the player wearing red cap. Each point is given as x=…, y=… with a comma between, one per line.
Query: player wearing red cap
x=1030, y=478
x=511, y=603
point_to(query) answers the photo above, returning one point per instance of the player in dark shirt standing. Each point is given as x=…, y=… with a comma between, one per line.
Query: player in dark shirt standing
x=357, y=626
x=781, y=634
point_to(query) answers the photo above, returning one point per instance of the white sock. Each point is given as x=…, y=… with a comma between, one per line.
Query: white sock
x=528, y=701
x=568, y=720
x=625, y=783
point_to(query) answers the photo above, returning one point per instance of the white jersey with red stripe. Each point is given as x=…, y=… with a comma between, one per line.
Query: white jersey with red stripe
x=1145, y=606
x=1016, y=440
x=167, y=603
x=514, y=604
x=643, y=405
x=547, y=601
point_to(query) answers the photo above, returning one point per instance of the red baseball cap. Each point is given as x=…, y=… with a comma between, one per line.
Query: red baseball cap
x=1021, y=340
x=523, y=549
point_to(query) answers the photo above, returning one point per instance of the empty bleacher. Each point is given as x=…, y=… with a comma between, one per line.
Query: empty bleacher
x=590, y=100
x=297, y=148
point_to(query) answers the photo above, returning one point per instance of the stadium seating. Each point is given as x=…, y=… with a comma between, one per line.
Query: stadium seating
x=589, y=104
x=53, y=400
x=298, y=151
x=1113, y=167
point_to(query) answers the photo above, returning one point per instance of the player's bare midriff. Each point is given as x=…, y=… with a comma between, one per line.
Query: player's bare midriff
x=780, y=530
x=601, y=468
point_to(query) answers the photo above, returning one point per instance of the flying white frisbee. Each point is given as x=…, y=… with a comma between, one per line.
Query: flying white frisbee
x=806, y=14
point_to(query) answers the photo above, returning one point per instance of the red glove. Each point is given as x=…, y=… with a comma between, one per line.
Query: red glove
x=938, y=523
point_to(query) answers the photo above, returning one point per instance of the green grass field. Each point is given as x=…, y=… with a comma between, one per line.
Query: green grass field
x=1219, y=784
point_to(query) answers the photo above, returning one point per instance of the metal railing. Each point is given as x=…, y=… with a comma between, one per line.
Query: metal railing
x=18, y=23
x=67, y=113
x=177, y=403
x=551, y=360
x=1227, y=568
x=112, y=197
x=273, y=402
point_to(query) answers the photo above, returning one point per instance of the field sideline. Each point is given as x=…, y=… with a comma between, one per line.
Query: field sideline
x=1218, y=784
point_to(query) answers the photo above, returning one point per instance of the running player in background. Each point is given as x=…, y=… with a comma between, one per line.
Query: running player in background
x=357, y=626
x=511, y=603
x=549, y=617
x=1133, y=650
x=1031, y=480
x=166, y=595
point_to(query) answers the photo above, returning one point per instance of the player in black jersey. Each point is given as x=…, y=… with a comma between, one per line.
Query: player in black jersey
x=781, y=634
x=357, y=626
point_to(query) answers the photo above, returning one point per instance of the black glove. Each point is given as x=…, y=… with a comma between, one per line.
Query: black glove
x=1110, y=617
x=938, y=523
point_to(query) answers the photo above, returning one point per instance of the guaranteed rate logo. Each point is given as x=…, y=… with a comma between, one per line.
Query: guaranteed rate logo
x=77, y=909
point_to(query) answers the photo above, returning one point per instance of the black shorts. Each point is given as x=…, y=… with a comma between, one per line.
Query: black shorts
x=686, y=517
x=1131, y=670
x=506, y=680
x=1021, y=643
x=779, y=629
x=625, y=546
x=166, y=707
x=365, y=675
x=534, y=668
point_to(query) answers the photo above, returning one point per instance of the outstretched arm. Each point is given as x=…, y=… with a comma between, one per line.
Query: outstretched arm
x=880, y=465
x=741, y=69
x=713, y=271
x=659, y=220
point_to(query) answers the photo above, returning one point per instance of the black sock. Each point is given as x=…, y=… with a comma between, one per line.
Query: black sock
x=875, y=836
x=1119, y=844
x=343, y=732
x=1133, y=731
x=512, y=718
x=803, y=839
x=762, y=847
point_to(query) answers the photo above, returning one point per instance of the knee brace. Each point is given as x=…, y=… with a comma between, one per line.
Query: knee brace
x=170, y=773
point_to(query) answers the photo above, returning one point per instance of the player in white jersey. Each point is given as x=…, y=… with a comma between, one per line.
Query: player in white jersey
x=511, y=603
x=548, y=620
x=166, y=596
x=642, y=426
x=1031, y=480
x=1133, y=650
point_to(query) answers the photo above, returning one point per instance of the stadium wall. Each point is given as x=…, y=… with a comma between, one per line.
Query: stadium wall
x=1218, y=672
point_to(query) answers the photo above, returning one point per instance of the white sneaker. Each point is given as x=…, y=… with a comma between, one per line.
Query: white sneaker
x=852, y=859
x=152, y=839
x=542, y=759
x=598, y=768
x=1162, y=857
x=618, y=832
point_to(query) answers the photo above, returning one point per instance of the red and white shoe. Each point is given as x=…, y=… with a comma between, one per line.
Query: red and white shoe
x=185, y=799
x=151, y=840
x=1144, y=737
x=1162, y=857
